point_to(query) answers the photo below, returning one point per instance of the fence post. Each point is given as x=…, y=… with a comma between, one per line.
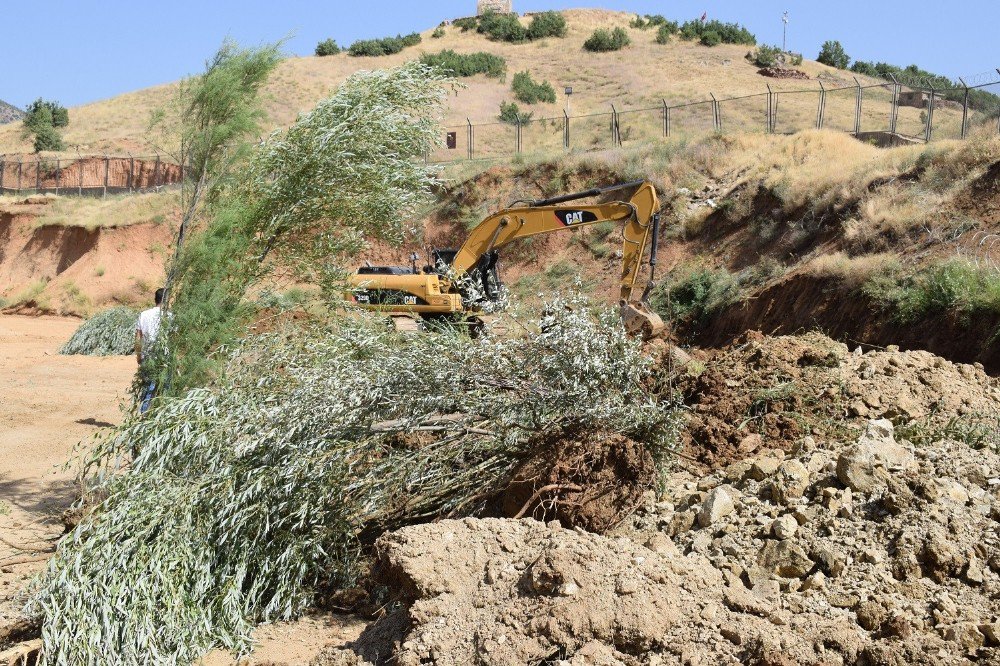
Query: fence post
x=517, y=134
x=469, y=150
x=58, y=175
x=20, y=169
x=614, y=117
x=929, y=127
x=894, y=112
x=716, y=113
x=131, y=173
x=3, y=163
x=79, y=164
x=107, y=170
x=156, y=172
x=38, y=174
x=857, y=108
x=965, y=108
x=770, y=111
x=820, y=106
x=565, y=130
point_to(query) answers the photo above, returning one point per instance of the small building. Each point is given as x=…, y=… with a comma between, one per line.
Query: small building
x=495, y=6
x=918, y=99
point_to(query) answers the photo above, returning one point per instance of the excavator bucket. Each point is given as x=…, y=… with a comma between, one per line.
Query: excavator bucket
x=639, y=319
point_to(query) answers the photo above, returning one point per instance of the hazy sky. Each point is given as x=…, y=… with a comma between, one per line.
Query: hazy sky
x=77, y=52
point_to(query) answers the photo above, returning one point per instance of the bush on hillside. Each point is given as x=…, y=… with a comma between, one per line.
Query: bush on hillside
x=915, y=76
x=547, y=24
x=502, y=27
x=511, y=113
x=467, y=64
x=384, y=46
x=953, y=285
x=710, y=38
x=529, y=91
x=607, y=40
x=727, y=33
x=665, y=32
x=327, y=47
x=41, y=119
x=832, y=53
x=766, y=56
x=692, y=294
x=466, y=24
x=438, y=32
x=109, y=333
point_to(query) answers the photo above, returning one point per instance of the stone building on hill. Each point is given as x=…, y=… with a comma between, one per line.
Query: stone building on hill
x=498, y=6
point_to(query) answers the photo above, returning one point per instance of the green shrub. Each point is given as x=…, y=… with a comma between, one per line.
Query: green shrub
x=652, y=21
x=327, y=47
x=502, y=27
x=547, y=24
x=832, y=53
x=466, y=24
x=467, y=64
x=694, y=293
x=384, y=46
x=727, y=33
x=604, y=40
x=710, y=38
x=49, y=112
x=511, y=113
x=955, y=284
x=796, y=59
x=438, y=33
x=529, y=91
x=109, y=333
x=665, y=32
x=766, y=56
x=47, y=138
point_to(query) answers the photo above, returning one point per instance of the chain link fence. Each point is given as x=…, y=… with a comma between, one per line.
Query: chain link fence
x=885, y=113
x=86, y=175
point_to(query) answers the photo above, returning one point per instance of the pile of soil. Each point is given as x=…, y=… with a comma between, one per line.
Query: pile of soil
x=762, y=392
x=588, y=480
x=871, y=551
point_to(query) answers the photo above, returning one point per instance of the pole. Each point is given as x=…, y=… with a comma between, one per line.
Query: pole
x=38, y=175
x=857, y=108
x=894, y=113
x=565, y=130
x=517, y=135
x=770, y=110
x=3, y=163
x=79, y=164
x=58, y=175
x=716, y=113
x=107, y=171
x=929, y=126
x=965, y=108
x=615, y=140
x=819, y=106
x=131, y=173
x=471, y=152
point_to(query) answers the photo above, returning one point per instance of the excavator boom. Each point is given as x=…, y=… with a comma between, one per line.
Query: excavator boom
x=477, y=256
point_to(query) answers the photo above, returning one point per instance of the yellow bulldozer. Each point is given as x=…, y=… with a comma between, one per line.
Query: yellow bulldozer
x=463, y=284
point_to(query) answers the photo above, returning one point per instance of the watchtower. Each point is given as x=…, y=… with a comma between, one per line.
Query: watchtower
x=496, y=6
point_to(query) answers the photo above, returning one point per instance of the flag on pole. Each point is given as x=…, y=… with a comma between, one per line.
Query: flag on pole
x=704, y=17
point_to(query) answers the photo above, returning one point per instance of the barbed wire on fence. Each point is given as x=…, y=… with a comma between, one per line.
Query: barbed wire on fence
x=94, y=175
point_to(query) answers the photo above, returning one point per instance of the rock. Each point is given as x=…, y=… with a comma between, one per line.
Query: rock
x=763, y=468
x=785, y=527
x=858, y=466
x=965, y=634
x=717, y=505
x=871, y=615
x=830, y=561
x=816, y=581
x=750, y=443
x=789, y=482
x=785, y=558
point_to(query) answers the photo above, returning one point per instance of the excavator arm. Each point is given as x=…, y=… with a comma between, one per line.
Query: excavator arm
x=640, y=219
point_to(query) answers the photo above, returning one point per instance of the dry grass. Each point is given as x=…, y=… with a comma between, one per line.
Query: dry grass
x=852, y=272
x=113, y=211
x=640, y=76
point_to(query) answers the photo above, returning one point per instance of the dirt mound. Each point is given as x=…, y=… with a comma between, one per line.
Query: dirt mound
x=588, y=480
x=770, y=392
x=898, y=540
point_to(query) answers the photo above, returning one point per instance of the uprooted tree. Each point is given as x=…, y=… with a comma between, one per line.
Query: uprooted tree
x=270, y=462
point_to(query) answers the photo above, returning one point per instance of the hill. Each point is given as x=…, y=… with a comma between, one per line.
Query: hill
x=638, y=77
x=9, y=113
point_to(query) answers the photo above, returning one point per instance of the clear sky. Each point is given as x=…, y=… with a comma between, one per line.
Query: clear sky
x=76, y=52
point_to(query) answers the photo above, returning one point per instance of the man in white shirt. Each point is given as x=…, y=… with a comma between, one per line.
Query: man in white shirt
x=146, y=330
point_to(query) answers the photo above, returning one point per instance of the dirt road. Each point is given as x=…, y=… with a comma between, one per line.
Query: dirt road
x=48, y=404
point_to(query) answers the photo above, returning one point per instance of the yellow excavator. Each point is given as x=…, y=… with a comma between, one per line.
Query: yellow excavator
x=464, y=283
